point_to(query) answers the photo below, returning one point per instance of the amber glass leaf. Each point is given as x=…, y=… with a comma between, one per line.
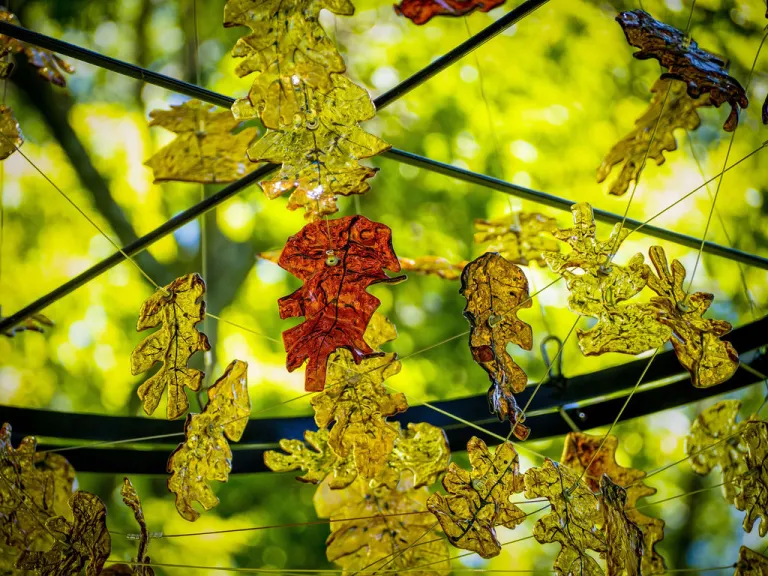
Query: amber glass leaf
x=421, y=11
x=206, y=149
x=336, y=270
x=520, y=237
x=35, y=323
x=680, y=111
x=478, y=501
x=177, y=308
x=752, y=487
x=702, y=71
x=131, y=499
x=495, y=290
x=574, y=519
x=422, y=451
x=582, y=449
x=751, y=563
x=697, y=344
x=433, y=266
x=77, y=543
x=600, y=290
x=10, y=133
x=623, y=538
x=320, y=149
x=205, y=454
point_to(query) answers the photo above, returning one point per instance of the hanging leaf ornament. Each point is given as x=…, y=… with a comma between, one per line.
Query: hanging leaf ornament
x=697, y=344
x=702, y=71
x=623, y=539
x=422, y=11
x=131, y=499
x=752, y=487
x=205, y=454
x=337, y=260
x=10, y=132
x=495, y=290
x=519, y=237
x=177, y=309
x=433, y=266
x=751, y=563
x=677, y=110
x=206, y=148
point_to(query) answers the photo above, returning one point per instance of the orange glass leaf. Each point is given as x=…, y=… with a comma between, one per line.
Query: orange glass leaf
x=478, y=501
x=206, y=455
x=35, y=323
x=697, y=344
x=574, y=521
x=520, y=237
x=579, y=450
x=680, y=111
x=751, y=563
x=421, y=11
x=752, y=486
x=433, y=266
x=601, y=291
x=495, y=290
x=177, y=308
x=206, y=148
x=702, y=71
x=10, y=132
x=81, y=543
x=131, y=499
x=336, y=270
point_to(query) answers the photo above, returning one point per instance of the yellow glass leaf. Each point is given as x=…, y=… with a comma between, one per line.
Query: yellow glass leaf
x=752, y=486
x=574, y=519
x=320, y=149
x=697, y=344
x=478, y=501
x=680, y=111
x=206, y=455
x=287, y=48
x=422, y=450
x=131, y=499
x=495, y=290
x=751, y=563
x=600, y=290
x=177, y=308
x=206, y=149
x=520, y=237
x=582, y=449
x=624, y=540
x=10, y=133
x=433, y=266
x=84, y=540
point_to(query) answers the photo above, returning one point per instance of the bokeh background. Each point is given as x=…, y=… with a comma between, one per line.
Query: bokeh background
x=538, y=106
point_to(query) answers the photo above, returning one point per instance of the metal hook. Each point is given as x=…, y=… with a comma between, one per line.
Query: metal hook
x=556, y=369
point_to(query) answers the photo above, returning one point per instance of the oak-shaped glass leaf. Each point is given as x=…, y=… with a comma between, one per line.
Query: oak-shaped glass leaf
x=336, y=270
x=206, y=148
x=495, y=290
x=702, y=71
x=581, y=450
x=520, y=237
x=623, y=538
x=433, y=266
x=206, y=455
x=10, y=132
x=751, y=563
x=478, y=501
x=35, y=323
x=81, y=543
x=419, y=456
x=752, y=487
x=177, y=309
x=131, y=499
x=679, y=111
x=421, y=11
x=321, y=148
x=574, y=519
x=709, y=360
x=600, y=290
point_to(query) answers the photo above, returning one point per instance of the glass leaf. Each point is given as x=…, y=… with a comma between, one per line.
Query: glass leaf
x=519, y=237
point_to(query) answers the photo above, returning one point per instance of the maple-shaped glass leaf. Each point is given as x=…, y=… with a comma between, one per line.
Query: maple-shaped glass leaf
x=81, y=543
x=177, y=309
x=495, y=290
x=581, y=450
x=751, y=563
x=321, y=148
x=336, y=270
x=10, y=132
x=702, y=71
x=574, y=521
x=206, y=148
x=623, y=538
x=479, y=500
x=752, y=486
x=131, y=499
x=205, y=455
x=433, y=266
x=709, y=360
x=600, y=290
x=520, y=237
x=679, y=111
x=421, y=11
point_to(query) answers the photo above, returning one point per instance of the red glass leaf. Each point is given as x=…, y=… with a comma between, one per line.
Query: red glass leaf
x=421, y=11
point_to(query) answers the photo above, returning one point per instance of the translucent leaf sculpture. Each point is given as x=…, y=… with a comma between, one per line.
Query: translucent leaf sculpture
x=495, y=290
x=752, y=487
x=697, y=344
x=421, y=11
x=624, y=540
x=336, y=270
x=81, y=543
x=206, y=455
x=702, y=71
x=131, y=499
x=206, y=148
x=478, y=501
x=600, y=290
x=520, y=237
x=35, y=323
x=10, y=132
x=574, y=519
x=582, y=449
x=433, y=266
x=679, y=111
x=320, y=149
x=177, y=309
x=751, y=563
